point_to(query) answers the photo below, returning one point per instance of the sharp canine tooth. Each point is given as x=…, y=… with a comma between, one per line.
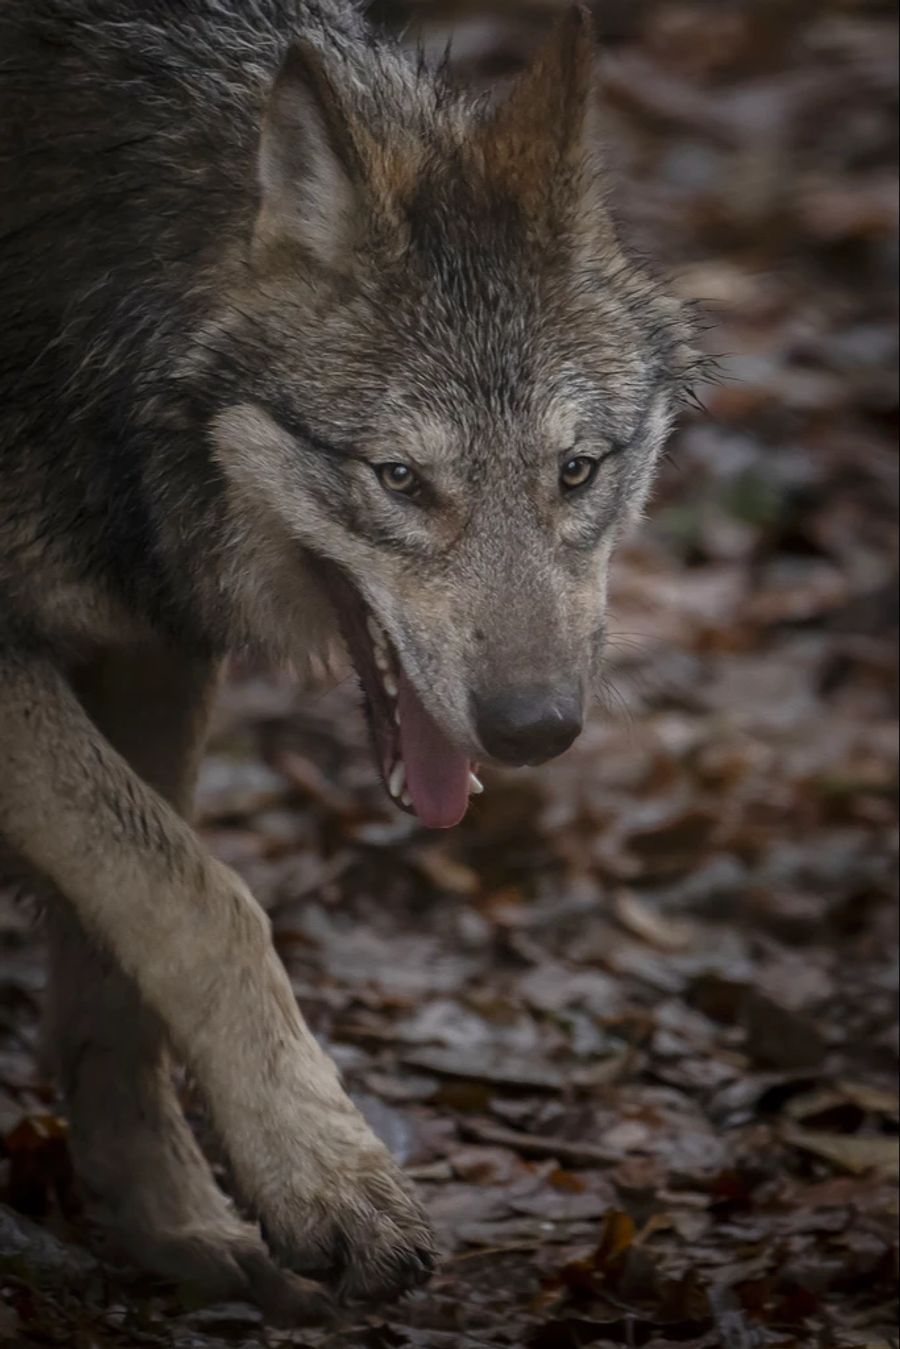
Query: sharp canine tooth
x=390, y=685
x=406, y=800
x=397, y=780
x=476, y=786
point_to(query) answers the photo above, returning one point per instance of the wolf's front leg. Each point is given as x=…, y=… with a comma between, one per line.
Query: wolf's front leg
x=139, y=1165
x=185, y=929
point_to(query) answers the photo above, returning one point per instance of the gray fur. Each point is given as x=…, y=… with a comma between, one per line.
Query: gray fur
x=248, y=250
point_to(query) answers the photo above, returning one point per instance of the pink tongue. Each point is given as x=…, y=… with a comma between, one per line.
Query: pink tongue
x=437, y=773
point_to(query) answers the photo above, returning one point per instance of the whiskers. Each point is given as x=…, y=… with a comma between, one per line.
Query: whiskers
x=613, y=701
x=636, y=652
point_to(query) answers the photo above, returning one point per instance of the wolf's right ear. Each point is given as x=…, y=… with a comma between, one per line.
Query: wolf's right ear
x=538, y=141
x=308, y=165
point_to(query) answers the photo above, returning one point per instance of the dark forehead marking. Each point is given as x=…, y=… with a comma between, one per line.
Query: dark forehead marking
x=476, y=297
x=450, y=214
x=286, y=416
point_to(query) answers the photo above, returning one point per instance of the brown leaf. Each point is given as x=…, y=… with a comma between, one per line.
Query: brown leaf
x=644, y=921
x=40, y=1166
x=850, y=1153
x=780, y=1037
x=533, y=1145
x=445, y=872
x=619, y=1233
x=487, y=1064
x=674, y=844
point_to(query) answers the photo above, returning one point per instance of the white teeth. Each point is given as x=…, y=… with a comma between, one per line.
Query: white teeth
x=382, y=657
x=476, y=786
x=379, y=642
x=397, y=780
x=406, y=800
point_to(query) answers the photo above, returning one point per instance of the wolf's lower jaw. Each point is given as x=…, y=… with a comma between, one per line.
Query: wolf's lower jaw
x=437, y=785
x=424, y=772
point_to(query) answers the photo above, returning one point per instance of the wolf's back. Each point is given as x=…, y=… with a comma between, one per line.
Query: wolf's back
x=128, y=138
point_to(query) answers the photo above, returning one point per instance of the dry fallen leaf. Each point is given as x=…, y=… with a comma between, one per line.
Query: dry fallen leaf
x=849, y=1152
x=639, y=918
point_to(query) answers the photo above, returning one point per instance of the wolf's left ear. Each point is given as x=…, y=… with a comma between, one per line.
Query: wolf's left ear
x=308, y=165
x=538, y=139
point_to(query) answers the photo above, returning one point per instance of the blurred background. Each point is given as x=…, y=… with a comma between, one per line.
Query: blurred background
x=634, y=1026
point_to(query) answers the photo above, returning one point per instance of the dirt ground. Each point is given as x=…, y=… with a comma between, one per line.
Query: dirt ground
x=633, y=1028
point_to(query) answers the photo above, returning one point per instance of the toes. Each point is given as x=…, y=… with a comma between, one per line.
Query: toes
x=374, y=1262
x=232, y=1265
x=371, y=1244
x=383, y=1266
x=285, y=1299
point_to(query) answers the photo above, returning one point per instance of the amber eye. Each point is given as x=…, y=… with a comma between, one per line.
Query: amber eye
x=397, y=478
x=578, y=472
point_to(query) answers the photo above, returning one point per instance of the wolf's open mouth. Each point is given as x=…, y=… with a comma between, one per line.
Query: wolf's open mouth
x=423, y=771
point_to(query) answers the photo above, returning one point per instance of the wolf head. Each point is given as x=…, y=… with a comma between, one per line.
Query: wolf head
x=454, y=389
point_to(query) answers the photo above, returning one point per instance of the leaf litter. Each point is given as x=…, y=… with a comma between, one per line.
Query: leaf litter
x=633, y=1028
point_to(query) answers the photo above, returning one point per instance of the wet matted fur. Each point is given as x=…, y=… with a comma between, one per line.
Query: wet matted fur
x=298, y=339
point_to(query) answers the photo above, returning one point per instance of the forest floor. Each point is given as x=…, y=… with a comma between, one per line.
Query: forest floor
x=633, y=1027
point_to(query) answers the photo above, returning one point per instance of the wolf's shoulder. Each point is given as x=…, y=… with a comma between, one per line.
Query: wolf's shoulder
x=187, y=31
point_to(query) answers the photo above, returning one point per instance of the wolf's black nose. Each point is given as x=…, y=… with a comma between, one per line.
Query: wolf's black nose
x=530, y=725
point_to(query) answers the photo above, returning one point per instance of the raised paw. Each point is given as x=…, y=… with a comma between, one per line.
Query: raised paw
x=362, y=1232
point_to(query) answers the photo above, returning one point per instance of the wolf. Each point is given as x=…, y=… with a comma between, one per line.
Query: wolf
x=301, y=342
